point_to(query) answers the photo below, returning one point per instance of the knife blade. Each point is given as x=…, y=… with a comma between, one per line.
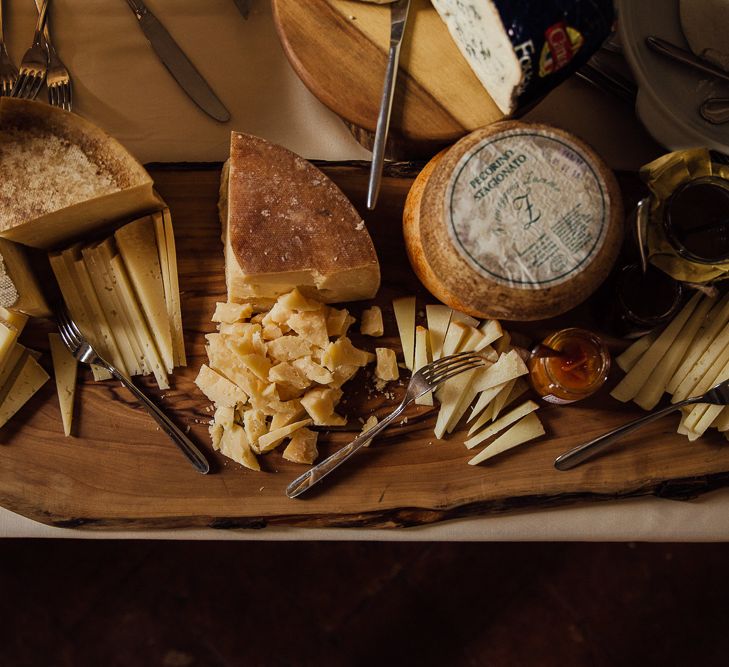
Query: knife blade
x=178, y=64
x=244, y=7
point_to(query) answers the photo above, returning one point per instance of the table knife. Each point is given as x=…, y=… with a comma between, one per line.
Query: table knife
x=398, y=19
x=679, y=55
x=178, y=64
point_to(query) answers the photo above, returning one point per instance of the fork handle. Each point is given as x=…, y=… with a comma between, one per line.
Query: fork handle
x=42, y=16
x=582, y=453
x=320, y=471
x=184, y=443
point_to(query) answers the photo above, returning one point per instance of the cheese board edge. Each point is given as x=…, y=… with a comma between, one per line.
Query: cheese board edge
x=680, y=488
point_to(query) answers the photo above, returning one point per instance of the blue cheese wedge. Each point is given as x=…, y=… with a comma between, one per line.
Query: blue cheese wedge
x=520, y=50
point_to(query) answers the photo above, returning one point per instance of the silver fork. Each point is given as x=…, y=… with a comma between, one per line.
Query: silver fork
x=35, y=61
x=8, y=71
x=58, y=80
x=423, y=381
x=80, y=348
x=718, y=395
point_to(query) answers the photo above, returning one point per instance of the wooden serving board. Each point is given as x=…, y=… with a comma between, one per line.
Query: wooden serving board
x=339, y=49
x=121, y=471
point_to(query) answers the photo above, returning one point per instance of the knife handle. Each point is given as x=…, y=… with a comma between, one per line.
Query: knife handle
x=138, y=7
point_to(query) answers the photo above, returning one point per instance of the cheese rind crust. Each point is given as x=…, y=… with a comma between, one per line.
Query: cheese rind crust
x=286, y=225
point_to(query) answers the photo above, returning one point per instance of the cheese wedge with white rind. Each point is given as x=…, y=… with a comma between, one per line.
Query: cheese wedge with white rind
x=65, y=369
x=438, y=317
x=655, y=386
x=528, y=428
x=715, y=321
x=126, y=294
x=631, y=384
x=500, y=424
x=30, y=378
x=137, y=246
x=404, y=309
x=286, y=225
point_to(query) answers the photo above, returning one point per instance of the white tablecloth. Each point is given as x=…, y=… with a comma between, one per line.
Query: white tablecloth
x=120, y=85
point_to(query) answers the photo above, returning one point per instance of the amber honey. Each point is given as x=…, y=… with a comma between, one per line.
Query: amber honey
x=569, y=365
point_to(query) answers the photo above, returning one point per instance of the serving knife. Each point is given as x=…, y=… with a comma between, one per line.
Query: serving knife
x=398, y=19
x=178, y=64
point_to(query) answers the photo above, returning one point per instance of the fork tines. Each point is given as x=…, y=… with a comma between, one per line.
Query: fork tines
x=447, y=367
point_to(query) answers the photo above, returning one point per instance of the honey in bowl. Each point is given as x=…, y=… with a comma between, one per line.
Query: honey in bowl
x=569, y=365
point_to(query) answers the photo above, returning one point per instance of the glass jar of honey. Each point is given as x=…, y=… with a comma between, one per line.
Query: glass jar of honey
x=569, y=365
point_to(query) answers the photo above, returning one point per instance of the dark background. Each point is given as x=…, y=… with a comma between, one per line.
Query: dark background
x=179, y=604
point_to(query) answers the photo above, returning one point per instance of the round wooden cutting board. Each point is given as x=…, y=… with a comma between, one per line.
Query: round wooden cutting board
x=339, y=49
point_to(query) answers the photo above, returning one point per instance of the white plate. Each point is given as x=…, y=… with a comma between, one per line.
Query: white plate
x=669, y=93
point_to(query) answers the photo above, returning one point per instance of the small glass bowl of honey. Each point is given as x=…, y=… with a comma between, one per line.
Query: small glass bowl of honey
x=569, y=365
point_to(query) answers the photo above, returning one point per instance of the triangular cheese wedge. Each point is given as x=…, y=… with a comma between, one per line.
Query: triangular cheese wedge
x=65, y=368
x=287, y=225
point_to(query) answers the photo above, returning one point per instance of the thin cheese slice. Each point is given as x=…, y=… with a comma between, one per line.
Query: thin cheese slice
x=137, y=246
x=404, y=308
x=273, y=438
x=631, y=355
x=106, y=252
x=421, y=359
x=172, y=297
x=485, y=398
x=78, y=309
x=491, y=330
x=8, y=338
x=523, y=431
x=107, y=334
x=500, y=424
x=16, y=354
x=509, y=365
x=126, y=294
x=706, y=369
x=455, y=337
x=458, y=316
x=28, y=381
x=101, y=280
x=651, y=392
x=714, y=323
x=65, y=368
x=438, y=318
x=634, y=380
x=501, y=398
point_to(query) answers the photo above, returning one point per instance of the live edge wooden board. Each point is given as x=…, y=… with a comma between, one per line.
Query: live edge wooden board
x=121, y=471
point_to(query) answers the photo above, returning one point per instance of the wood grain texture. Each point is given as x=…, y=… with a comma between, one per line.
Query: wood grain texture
x=339, y=49
x=121, y=471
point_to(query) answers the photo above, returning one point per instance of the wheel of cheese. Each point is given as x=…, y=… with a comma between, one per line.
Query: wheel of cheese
x=516, y=221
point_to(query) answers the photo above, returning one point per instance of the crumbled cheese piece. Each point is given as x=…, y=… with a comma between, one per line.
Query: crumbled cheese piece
x=371, y=323
x=387, y=368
